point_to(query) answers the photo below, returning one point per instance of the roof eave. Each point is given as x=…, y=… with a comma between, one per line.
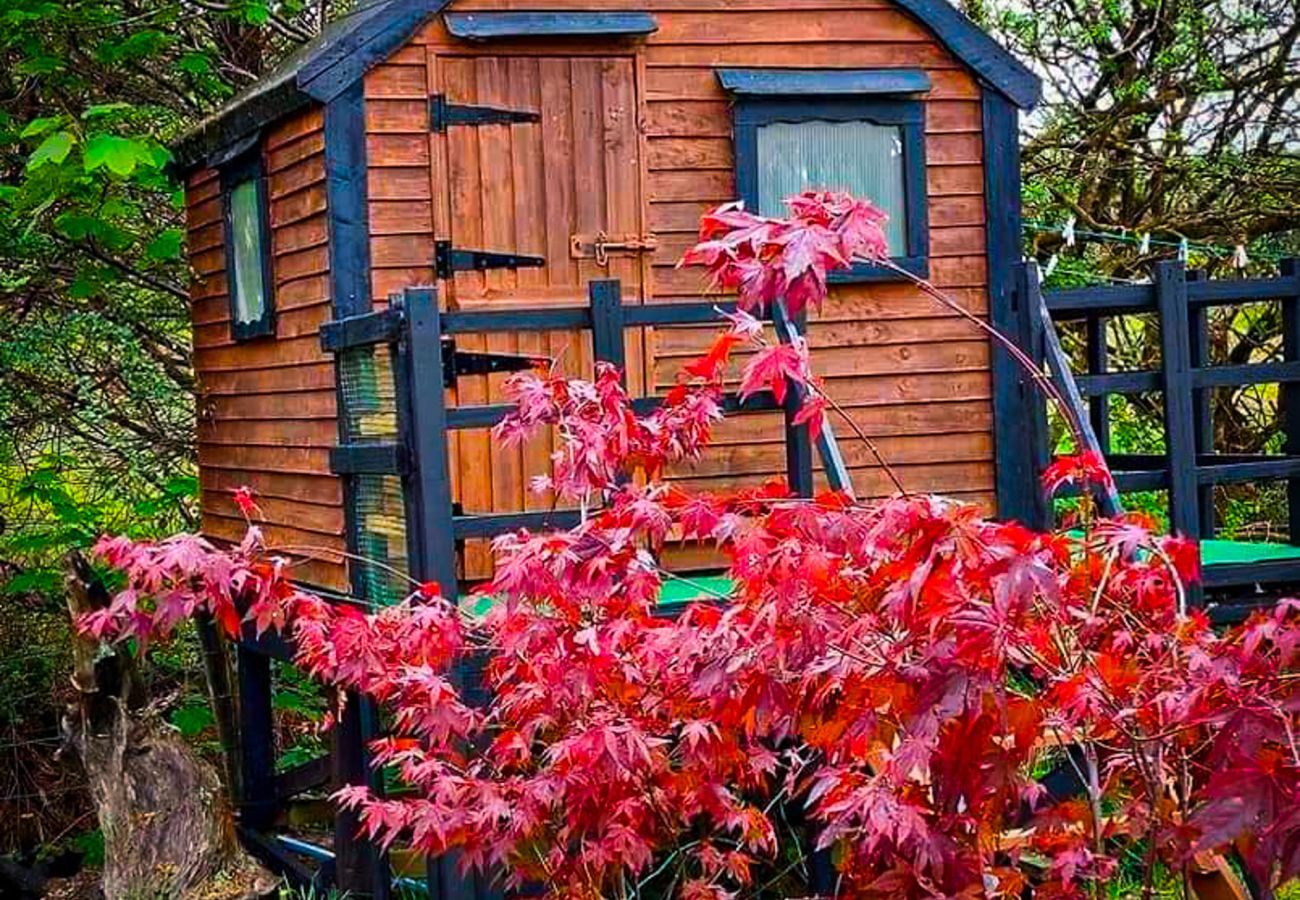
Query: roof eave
x=992, y=62
x=212, y=136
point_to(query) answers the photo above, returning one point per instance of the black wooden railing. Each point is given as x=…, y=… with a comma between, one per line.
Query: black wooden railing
x=1190, y=467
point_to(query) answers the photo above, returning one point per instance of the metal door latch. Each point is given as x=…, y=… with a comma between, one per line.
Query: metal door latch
x=598, y=246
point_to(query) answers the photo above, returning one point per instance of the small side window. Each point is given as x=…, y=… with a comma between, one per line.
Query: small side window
x=248, y=249
x=874, y=148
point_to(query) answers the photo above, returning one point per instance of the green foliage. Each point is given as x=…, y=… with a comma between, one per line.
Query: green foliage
x=95, y=366
x=52, y=511
x=300, y=708
x=91, y=845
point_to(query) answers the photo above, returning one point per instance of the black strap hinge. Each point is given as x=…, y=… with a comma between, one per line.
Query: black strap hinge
x=456, y=363
x=448, y=260
x=443, y=114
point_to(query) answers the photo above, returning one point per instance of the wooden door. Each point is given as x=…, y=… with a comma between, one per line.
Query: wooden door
x=528, y=188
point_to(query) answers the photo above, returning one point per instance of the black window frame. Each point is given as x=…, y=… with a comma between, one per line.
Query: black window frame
x=246, y=167
x=907, y=113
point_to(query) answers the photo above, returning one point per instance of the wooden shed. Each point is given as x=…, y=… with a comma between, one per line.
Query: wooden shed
x=511, y=156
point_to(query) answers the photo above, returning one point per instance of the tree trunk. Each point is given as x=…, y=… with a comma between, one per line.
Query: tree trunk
x=167, y=823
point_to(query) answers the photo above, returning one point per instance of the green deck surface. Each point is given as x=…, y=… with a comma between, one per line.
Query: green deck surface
x=709, y=587
x=1214, y=552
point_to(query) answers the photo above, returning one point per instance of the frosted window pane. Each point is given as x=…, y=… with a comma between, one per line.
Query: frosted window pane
x=862, y=158
x=249, y=244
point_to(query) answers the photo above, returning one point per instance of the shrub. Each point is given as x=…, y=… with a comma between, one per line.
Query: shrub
x=898, y=670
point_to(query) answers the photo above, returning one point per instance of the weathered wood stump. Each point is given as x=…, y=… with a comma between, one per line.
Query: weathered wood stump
x=166, y=818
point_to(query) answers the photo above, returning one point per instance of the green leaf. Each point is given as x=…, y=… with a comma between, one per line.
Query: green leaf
x=192, y=720
x=181, y=486
x=166, y=245
x=257, y=12
x=54, y=149
x=195, y=63
x=120, y=155
x=33, y=581
x=40, y=65
x=43, y=125
x=104, y=109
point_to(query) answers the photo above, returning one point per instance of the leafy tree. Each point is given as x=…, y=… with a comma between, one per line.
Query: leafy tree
x=95, y=372
x=1176, y=118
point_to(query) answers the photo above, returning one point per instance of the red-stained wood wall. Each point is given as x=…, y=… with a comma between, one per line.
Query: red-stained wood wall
x=914, y=377
x=636, y=137
x=267, y=414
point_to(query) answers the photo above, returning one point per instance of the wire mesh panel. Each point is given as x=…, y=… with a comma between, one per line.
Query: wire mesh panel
x=369, y=395
x=379, y=514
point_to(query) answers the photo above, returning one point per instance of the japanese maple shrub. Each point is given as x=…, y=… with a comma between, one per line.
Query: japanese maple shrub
x=883, y=682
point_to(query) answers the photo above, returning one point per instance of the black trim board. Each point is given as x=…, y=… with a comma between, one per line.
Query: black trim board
x=347, y=194
x=326, y=66
x=973, y=46
x=482, y=26
x=318, y=71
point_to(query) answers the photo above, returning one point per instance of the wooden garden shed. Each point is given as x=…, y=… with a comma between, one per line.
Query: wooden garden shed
x=510, y=156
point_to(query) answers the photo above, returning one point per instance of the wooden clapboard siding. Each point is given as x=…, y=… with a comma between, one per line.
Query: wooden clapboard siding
x=267, y=406
x=886, y=350
x=400, y=188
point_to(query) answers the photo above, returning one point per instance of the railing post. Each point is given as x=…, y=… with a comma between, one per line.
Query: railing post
x=427, y=432
x=1098, y=404
x=256, y=740
x=798, y=445
x=1180, y=427
x=430, y=481
x=360, y=866
x=1290, y=394
x=607, y=345
x=1202, y=404
x=1037, y=447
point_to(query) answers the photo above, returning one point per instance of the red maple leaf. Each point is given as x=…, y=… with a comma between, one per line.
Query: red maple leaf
x=771, y=369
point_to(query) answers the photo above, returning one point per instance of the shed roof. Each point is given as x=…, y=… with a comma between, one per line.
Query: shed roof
x=349, y=46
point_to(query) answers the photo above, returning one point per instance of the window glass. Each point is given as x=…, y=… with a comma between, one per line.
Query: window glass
x=249, y=297
x=862, y=158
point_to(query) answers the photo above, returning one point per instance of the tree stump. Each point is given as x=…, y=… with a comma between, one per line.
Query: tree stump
x=167, y=821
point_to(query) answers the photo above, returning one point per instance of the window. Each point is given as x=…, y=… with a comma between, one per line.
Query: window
x=248, y=251
x=869, y=142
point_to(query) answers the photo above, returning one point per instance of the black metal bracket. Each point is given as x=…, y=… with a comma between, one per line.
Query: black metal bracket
x=448, y=260
x=456, y=363
x=443, y=114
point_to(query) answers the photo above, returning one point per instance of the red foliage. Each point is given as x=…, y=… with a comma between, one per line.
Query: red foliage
x=1082, y=469
x=765, y=259
x=899, y=667
x=896, y=670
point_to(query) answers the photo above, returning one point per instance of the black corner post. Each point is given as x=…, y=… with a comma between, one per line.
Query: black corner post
x=1290, y=397
x=1180, y=426
x=1018, y=496
x=1031, y=417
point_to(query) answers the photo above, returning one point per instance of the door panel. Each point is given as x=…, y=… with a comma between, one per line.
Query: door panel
x=526, y=188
